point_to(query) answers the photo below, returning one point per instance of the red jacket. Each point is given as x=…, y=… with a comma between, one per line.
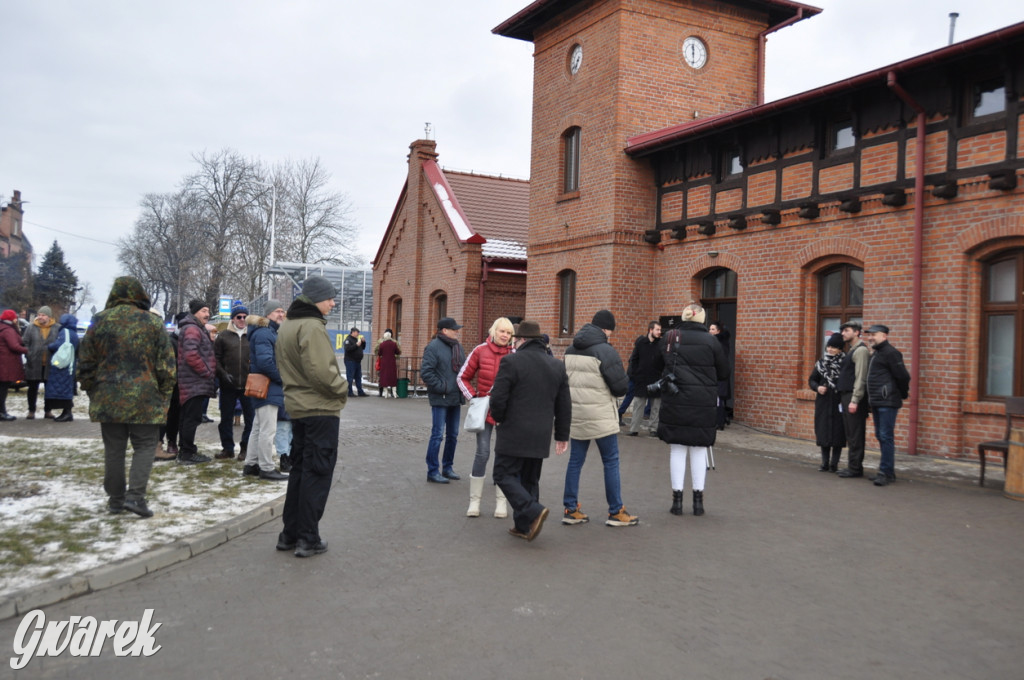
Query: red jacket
x=11, y=349
x=482, y=363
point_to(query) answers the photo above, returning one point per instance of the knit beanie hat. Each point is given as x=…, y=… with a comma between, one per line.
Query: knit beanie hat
x=318, y=289
x=9, y=315
x=239, y=309
x=45, y=310
x=195, y=305
x=604, y=320
x=691, y=314
x=836, y=340
x=271, y=307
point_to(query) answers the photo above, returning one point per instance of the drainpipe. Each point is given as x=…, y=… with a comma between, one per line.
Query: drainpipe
x=485, y=267
x=762, y=41
x=915, y=324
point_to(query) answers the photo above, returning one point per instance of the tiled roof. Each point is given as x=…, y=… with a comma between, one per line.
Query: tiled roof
x=498, y=208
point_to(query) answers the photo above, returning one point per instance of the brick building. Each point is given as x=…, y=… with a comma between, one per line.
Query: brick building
x=659, y=176
x=12, y=236
x=455, y=246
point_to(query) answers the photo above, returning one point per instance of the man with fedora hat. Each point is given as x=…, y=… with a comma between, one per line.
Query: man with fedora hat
x=888, y=384
x=852, y=388
x=529, y=398
x=439, y=369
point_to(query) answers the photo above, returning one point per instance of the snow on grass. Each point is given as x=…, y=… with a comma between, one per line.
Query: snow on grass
x=53, y=510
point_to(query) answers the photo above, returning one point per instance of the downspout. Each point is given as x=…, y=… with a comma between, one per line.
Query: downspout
x=915, y=323
x=762, y=42
x=485, y=267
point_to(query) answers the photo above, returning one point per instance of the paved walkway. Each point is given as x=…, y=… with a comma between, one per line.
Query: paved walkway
x=791, y=574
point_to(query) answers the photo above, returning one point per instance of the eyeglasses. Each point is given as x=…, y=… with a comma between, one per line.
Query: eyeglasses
x=239, y=316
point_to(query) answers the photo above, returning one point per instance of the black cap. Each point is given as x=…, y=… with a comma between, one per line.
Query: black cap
x=836, y=340
x=879, y=328
x=855, y=325
x=448, y=322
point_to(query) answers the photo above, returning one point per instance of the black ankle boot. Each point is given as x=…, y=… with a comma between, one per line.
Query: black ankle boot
x=698, y=503
x=824, y=459
x=677, y=503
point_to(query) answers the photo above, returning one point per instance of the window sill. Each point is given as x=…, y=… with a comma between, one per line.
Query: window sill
x=568, y=196
x=996, y=408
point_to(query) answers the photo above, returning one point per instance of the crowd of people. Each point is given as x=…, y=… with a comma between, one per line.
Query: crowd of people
x=147, y=386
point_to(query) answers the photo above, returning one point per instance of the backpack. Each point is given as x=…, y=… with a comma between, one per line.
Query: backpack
x=64, y=357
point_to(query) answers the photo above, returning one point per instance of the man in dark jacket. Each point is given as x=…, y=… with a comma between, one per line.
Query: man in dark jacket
x=530, y=394
x=596, y=378
x=231, y=350
x=645, y=365
x=197, y=368
x=888, y=385
x=127, y=367
x=355, y=345
x=439, y=369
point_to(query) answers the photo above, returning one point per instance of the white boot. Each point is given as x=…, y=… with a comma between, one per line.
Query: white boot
x=476, y=490
x=500, y=504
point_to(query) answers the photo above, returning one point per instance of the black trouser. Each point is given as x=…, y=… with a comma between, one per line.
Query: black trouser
x=519, y=480
x=173, y=419
x=854, y=424
x=33, y=395
x=191, y=417
x=228, y=397
x=3, y=396
x=314, y=454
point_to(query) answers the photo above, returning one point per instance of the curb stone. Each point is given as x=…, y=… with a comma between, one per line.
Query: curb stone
x=21, y=602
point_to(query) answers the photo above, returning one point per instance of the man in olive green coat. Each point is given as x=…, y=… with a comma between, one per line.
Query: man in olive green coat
x=126, y=364
x=314, y=394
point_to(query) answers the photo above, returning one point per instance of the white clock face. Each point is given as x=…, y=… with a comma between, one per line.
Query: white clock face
x=575, y=59
x=695, y=52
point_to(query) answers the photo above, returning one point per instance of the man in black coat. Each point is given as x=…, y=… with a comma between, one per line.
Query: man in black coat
x=645, y=366
x=888, y=385
x=530, y=394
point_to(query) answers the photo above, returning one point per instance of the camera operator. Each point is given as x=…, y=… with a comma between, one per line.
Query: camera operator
x=694, y=363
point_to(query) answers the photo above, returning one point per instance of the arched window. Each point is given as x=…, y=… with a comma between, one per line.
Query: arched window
x=566, y=302
x=840, y=298
x=1002, y=326
x=395, y=317
x=571, y=160
x=438, y=307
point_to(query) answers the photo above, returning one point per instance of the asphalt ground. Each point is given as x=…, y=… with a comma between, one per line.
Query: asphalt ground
x=792, y=573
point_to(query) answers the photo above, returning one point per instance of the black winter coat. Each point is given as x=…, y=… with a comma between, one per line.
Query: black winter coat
x=530, y=391
x=645, y=364
x=888, y=379
x=828, y=421
x=697, y=362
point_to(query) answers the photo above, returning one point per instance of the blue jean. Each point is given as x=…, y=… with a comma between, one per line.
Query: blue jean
x=609, y=448
x=885, y=425
x=354, y=376
x=483, y=450
x=444, y=424
x=283, y=437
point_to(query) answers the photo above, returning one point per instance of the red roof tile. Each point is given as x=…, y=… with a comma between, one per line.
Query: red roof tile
x=497, y=208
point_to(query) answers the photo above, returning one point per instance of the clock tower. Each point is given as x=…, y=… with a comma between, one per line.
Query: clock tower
x=605, y=71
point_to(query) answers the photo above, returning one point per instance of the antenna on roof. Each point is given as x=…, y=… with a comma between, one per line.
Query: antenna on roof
x=952, y=25
x=426, y=130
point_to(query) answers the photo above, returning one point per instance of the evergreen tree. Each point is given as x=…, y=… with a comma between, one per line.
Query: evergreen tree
x=55, y=282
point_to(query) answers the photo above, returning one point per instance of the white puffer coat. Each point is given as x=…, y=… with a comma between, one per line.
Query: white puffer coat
x=596, y=378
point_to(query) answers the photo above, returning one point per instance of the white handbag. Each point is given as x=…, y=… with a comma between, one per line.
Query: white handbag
x=476, y=415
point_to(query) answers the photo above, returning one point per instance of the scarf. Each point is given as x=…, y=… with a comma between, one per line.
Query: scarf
x=828, y=368
x=458, y=358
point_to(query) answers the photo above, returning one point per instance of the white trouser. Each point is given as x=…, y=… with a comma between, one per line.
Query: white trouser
x=698, y=456
x=261, y=441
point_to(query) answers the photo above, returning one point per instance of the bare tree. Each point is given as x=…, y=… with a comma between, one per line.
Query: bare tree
x=226, y=187
x=317, y=224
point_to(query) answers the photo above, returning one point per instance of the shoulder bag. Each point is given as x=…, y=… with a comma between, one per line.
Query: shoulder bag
x=476, y=415
x=256, y=385
x=65, y=354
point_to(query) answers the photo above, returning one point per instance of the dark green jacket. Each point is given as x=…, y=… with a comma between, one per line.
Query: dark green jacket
x=126, y=363
x=313, y=385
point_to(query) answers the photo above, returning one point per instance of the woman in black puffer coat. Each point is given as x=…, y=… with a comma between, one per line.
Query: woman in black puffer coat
x=694, y=364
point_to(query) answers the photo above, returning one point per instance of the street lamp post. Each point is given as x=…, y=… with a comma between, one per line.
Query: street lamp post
x=273, y=225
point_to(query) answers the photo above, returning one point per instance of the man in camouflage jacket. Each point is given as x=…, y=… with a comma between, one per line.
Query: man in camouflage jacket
x=126, y=365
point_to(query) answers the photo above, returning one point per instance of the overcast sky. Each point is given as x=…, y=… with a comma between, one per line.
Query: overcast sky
x=103, y=102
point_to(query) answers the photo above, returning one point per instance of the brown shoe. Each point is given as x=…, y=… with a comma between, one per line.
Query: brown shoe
x=164, y=455
x=31, y=415
x=517, y=533
x=47, y=414
x=536, y=525
x=225, y=455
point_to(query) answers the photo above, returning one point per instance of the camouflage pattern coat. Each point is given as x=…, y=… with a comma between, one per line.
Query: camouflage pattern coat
x=126, y=363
